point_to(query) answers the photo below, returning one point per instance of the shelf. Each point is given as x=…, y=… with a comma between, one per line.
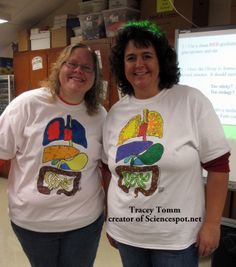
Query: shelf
x=7, y=91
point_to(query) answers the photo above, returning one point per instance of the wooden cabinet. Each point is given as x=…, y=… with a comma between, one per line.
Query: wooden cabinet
x=21, y=67
x=31, y=67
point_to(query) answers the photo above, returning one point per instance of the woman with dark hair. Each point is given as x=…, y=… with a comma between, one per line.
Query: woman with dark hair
x=169, y=71
x=157, y=139
x=53, y=137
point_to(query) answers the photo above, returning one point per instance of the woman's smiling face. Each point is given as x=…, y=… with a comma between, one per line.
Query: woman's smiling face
x=142, y=70
x=76, y=76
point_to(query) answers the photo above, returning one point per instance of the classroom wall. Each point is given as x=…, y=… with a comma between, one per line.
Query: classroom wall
x=220, y=12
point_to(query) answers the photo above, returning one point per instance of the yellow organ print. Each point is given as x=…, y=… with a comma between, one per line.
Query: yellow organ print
x=155, y=124
x=77, y=163
x=59, y=152
x=130, y=130
x=134, y=126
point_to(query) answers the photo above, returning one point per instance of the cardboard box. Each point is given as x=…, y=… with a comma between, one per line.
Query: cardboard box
x=168, y=21
x=114, y=18
x=34, y=31
x=92, y=26
x=61, y=37
x=76, y=39
x=77, y=31
x=40, y=40
x=123, y=3
x=67, y=20
x=24, y=41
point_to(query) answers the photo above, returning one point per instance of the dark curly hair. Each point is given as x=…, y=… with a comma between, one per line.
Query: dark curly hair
x=144, y=34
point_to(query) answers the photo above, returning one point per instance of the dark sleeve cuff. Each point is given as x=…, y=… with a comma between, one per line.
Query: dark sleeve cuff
x=220, y=164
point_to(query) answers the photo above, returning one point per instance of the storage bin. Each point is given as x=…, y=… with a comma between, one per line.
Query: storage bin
x=94, y=6
x=92, y=26
x=114, y=18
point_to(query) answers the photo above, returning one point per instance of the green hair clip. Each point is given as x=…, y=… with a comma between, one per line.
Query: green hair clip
x=145, y=25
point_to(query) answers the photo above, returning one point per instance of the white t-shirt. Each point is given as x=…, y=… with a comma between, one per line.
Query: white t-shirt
x=154, y=149
x=55, y=149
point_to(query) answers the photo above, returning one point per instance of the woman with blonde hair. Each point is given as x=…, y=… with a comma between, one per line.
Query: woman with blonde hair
x=53, y=137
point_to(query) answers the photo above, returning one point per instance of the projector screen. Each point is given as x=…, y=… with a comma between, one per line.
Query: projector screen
x=207, y=61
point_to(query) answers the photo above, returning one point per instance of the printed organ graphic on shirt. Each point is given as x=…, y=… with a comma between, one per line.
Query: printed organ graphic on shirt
x=140, y=172
x=63, y=161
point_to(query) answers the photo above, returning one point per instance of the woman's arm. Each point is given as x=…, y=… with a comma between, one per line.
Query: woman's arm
x=216, y=192
x=2, y=162
x=106, y=174
x=106, y=177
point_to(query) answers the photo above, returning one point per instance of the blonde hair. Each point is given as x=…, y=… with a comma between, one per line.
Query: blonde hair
x=92, y=97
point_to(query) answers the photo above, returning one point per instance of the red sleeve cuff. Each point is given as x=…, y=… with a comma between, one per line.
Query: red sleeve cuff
x=220, y=164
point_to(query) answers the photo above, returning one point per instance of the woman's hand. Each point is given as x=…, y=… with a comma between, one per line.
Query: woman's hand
x=216, y=191
x=208, y=239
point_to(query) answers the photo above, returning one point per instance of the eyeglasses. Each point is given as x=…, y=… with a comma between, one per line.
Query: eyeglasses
x=74, y=65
